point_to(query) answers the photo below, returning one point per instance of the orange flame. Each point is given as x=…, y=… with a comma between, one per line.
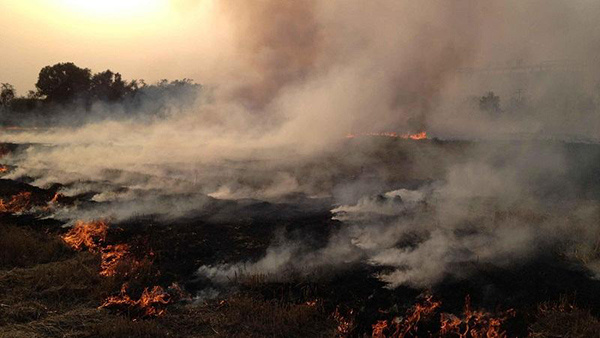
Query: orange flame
x=414, y=315
x=149, y=305
x=112, y=256
x=3, y=169
x=408, y=326
x=345, y=322
x=56, y=197
x=90, y=235
x=379, y=328
x=53, y=202
x=418, y=136
x=18, y=203
x=474, y=323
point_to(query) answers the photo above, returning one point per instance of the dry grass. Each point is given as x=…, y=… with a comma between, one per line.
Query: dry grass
x=21, y=247
x=246, y=316
x=259, y=318
x=84, y=322
x=49, y=290
x=565, y=320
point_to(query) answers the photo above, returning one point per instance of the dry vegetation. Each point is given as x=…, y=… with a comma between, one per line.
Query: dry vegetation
x=564, y=319
x=49, y=290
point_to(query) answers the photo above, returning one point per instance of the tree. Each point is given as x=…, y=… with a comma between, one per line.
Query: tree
x=109, y=86
x=63, y=82
x=490, y=103
x=7, y=94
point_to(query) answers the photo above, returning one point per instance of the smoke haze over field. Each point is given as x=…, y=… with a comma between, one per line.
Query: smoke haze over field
x=306, y=72
x=286, y=81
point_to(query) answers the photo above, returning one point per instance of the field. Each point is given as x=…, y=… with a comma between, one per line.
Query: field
x=214, y=269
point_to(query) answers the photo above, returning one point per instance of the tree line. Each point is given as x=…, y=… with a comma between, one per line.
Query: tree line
x=66, y=84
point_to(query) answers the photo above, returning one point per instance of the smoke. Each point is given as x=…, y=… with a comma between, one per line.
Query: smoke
x=486, y=212
x=285, y=81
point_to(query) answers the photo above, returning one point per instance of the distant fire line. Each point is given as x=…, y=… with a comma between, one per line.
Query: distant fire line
x=418, y=136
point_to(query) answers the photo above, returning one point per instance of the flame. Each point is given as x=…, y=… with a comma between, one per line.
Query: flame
x=408, y=326
x=418, y=136
x=112, y=256
x=379, y=328
x=18, y=203
x=474, y=323
x=117, y=260
x=90, y=235
x=53, y=202
x=56, y=197
x=345, y=322
x=407, y=136
x=3, y=169
x=414, y=315
x=149, y=305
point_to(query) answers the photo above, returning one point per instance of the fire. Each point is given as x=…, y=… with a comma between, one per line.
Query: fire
x=407, y=326
x=379, y=328
x=53, y=202
x=90, y=235
x=112, y=256
x=18, y=203
x=117, y=260
x=407, y=136
x=414, y=315
x=345, y=322
x=418, y=136
x=150, y=303
x=56, y=197
x=474, y=323
x=3, y=169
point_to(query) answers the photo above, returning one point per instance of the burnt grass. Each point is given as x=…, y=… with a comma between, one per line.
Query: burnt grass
x=49, y=290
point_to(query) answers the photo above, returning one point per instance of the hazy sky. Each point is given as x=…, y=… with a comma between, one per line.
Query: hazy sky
x=149, y=39
x=222, y=41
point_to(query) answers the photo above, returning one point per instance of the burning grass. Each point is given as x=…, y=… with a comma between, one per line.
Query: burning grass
x=27, y=201
x=116, y=259
x=90, y=235
x=425, y=319
x=151, y=303
x=407, y=136
x=98, y=280
x=18, y=203
x=118, y=263
x=474, y=323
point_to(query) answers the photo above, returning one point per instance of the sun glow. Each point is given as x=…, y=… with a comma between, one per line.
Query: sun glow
x=115, y=8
